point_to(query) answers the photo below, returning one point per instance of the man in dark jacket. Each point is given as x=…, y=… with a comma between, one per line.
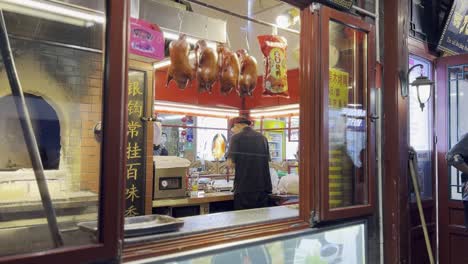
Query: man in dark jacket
x=457, y=156
x=249, y=154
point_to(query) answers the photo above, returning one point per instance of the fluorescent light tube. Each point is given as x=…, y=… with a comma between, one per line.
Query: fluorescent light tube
x=53, y=11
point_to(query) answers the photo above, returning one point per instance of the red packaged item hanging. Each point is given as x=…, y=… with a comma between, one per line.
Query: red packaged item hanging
x=275, y=79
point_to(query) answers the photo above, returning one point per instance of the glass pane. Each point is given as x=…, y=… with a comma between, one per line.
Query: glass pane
x=63, y=87
x=420, y=124
x=347, y=111
x=222, y=164
x=339, y=245
x=458, y=89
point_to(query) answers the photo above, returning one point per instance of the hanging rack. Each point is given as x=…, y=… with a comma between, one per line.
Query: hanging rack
x=257, y=21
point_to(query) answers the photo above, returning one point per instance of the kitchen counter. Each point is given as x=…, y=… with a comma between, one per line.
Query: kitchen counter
x=218, y=221
x=194, y=200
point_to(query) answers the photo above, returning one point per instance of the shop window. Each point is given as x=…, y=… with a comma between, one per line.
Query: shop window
x=347, y=117
x=197, y=116
x=347, y=158
x=50, y=179
x=420, y=129
x=458, y=124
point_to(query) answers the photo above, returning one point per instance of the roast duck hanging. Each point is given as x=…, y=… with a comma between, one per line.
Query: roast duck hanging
x=229, y=69
x=180, y=69
x=206, y=66
x=248, y=73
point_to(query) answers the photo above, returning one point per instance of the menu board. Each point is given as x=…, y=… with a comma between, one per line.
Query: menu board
x=454, y=39
x=338, y=88
x=135, y=170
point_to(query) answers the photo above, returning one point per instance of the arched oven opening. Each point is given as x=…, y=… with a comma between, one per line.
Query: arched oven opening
x=46, y=126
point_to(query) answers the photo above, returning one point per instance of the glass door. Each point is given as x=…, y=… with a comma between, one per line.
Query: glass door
x=347, y=155
x=452, y=104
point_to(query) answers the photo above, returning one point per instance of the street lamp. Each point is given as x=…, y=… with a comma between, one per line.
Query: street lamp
x=422, y=83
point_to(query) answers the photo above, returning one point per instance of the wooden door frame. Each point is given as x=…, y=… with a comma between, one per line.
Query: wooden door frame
x=395, y=127
x=442, y=147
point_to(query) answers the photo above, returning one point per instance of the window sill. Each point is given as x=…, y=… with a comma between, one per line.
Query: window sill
x=203, y=230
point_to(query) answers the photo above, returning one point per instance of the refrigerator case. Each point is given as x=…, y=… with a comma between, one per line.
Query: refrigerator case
x=276, y=139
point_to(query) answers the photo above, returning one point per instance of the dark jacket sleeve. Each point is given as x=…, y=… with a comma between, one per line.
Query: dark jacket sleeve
x=459, y=152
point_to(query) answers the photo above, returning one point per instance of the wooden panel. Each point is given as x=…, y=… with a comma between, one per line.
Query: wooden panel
x=456, y=216
x=458, y=246
x=418, y=250
x=148, y=69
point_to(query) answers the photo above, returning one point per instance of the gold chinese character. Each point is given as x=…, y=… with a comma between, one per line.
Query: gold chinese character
x=132, y=173
x=134, y=151
x=133, y=129
x=132, y=193
x=457, y=20
x=134, y=89
x=131, y=211
x=135, y=107
x=464, y=27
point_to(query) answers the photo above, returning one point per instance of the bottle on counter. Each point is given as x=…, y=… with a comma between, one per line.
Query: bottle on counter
x=195, y=178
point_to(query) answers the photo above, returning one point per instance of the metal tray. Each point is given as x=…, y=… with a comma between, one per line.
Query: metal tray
x=141, y=225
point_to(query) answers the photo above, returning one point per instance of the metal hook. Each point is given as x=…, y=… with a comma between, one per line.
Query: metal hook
x=180, y=16
x=245, y=30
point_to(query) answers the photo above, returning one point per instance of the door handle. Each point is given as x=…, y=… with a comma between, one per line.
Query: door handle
x=373, y=117
x=148, y=119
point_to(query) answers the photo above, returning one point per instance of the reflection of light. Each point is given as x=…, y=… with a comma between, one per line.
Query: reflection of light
x=276, y=113
x=172, y=117
x=166, y=62
x=174, y=36
x=282, y=21
x=193, y=109
x=275, y=108
x=292, y=109
x=53, y=11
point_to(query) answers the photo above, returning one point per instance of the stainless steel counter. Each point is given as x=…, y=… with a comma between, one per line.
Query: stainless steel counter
x=218, y=221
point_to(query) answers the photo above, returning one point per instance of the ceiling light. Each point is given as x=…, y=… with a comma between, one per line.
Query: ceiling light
x=53, y=11
x=170, y=107
x=282, y=21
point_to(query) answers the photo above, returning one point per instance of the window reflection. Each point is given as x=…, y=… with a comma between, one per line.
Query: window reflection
x=347, y=111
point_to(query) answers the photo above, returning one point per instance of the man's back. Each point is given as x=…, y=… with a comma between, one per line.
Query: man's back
x=249, y=151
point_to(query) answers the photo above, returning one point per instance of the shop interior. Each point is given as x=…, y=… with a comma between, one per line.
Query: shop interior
x=193, y=124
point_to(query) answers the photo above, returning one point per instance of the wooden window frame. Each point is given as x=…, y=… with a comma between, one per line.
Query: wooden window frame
x=307, y=170
x=111, y=202
x=326, y=213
